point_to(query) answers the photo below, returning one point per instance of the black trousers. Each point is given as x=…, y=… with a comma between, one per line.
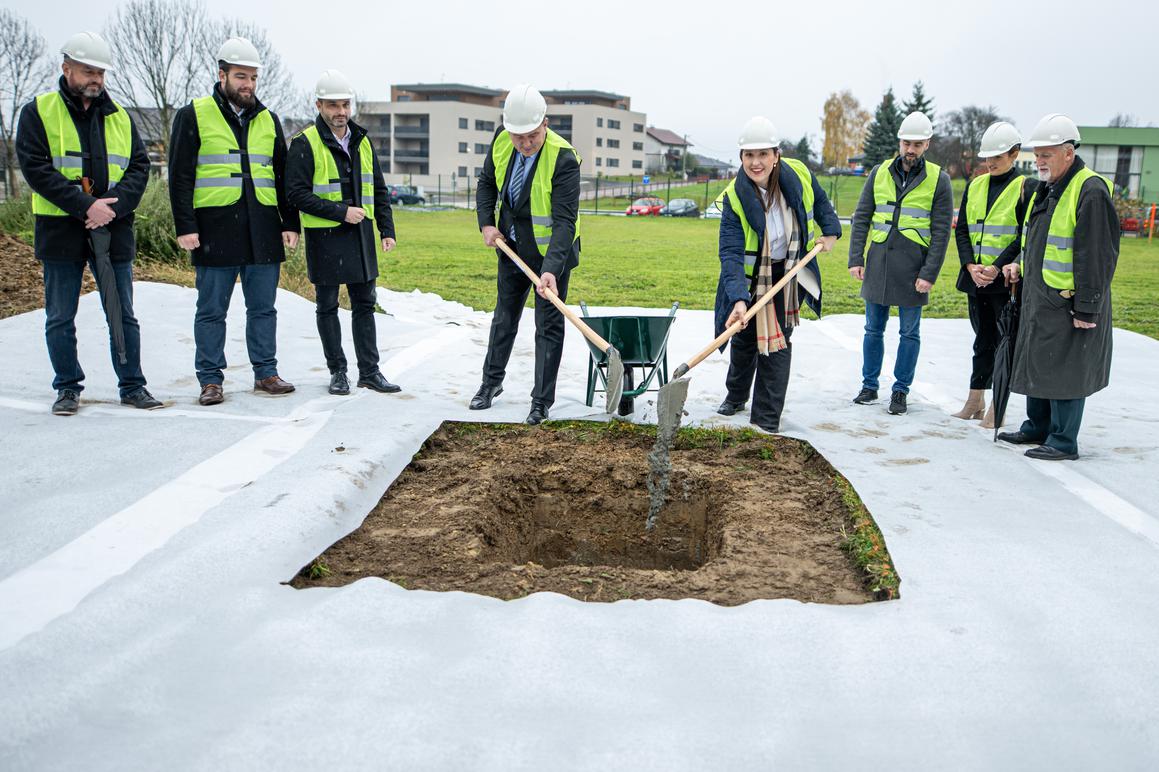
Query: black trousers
x=771, y=371
x=512, y=288
x=1055, y=421
x=362, y=299
x=984, y=311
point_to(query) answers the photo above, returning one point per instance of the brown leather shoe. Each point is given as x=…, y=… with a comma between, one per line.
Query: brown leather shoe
x=211, y=394
x=273, y=385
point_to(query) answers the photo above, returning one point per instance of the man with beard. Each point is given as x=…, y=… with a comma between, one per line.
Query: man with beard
x=905, y=213
x=87, y=167
x=1070, y=246
x=333, y=178
x=227, y=159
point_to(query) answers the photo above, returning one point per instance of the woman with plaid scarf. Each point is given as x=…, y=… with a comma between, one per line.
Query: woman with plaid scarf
x=769, y=217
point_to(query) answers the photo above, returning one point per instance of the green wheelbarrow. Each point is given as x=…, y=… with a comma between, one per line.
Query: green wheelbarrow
x=643, y=345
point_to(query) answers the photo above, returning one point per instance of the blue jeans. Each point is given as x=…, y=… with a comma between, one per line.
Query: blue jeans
x=873, y=346
x=259, y=286
x=62, y=283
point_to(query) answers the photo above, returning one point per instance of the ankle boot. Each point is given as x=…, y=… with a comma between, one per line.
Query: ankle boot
x=988, y=421
x=975, y=405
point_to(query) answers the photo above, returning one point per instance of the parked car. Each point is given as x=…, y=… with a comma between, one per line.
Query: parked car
x=642, y=206
x=405, y=194
x=681, y=207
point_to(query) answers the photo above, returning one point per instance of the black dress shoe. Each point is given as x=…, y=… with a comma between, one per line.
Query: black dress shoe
x=730, y=408
x=538, y=413
x=1047, y=453
x=865, y=396
x=339, y=384
x=1020, y=438
x=897, y=404
x=484, y=396
x=142, y=400
x=67, y=402
x=379, y=383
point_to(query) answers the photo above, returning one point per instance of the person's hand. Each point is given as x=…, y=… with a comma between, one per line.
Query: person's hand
x=923, y=286
x=547, y=282
x=738, y=311
x=490, y=234
x=858, y=272
x=1081, y=325
x=827, y=243
x=388, y=244
x=988, y=274
x=100, y=213
x=189, y=242
x=1011, y=272
x=355, y=214
x=290, y=238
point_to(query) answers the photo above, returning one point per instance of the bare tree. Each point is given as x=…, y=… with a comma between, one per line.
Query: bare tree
x=159, y=48
x=960, y=137
x=1123, y=120
x=24, y=71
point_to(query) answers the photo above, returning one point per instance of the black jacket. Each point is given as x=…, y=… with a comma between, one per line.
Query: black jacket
x=66, y=238
x=344, y=254
x=242, y=233
x=563, y=252
x=997, y=184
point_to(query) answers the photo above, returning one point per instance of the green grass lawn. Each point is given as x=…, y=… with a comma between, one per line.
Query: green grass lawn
x=654, y=261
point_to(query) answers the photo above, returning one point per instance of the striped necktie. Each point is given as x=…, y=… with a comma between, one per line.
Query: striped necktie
x=516, y=187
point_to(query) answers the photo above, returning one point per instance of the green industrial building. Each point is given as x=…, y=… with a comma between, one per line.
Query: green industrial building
x=1128, y=155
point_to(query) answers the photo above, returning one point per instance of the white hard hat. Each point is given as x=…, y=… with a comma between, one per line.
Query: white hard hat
x=758, y=133
x=239, y=51
x=999, y=138
x=333, y=85
x=915, y=126
x=88, y=48
x=523, y=110
x=1054, y=129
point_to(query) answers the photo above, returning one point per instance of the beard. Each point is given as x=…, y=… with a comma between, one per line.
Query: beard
x=1044, y=176
x=244, y=101
x=86, y=91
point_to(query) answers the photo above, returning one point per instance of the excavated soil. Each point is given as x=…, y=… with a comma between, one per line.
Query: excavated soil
x=22, y=280
x=506, y=511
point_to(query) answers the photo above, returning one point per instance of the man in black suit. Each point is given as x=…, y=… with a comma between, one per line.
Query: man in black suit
x=531, y=180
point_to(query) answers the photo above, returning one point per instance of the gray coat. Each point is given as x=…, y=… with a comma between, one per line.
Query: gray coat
x=1052, y=358
x=892, y=267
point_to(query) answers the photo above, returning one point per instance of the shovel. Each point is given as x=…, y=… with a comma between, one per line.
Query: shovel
x=615, y=364
x=670, y=402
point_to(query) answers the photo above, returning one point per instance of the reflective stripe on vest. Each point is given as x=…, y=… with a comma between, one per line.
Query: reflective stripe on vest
x=64, y=145
x=993, y=231
x=751, y=246
x=1058, y=255
x=220, y=176
x=327, y=183
x=502, y=150
x=912, y=209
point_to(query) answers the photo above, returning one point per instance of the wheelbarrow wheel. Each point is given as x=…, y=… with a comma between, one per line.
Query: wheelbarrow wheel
x=627, y=404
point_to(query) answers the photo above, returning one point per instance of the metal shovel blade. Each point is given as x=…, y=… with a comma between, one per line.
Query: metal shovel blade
x=670, y=407
x=615, y=381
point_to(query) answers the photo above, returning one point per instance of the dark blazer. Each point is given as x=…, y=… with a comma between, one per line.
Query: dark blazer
x=66, y=238
x=1010, y=254
x=733, y=286
x=563, y=252
x=344, y=254
x=243, y=233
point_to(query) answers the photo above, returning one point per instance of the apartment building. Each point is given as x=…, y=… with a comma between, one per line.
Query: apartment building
x=437, y=135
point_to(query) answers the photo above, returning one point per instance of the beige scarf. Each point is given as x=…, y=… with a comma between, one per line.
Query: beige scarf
x=770, y=336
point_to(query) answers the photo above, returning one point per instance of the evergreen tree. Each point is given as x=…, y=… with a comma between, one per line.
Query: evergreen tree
x=881, y=141
x=919, y=102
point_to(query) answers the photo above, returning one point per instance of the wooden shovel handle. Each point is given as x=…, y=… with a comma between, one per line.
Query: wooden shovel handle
x=588, y=332
x=757, y=306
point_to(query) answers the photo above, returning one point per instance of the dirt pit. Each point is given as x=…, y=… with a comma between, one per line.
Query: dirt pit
x=507, y=511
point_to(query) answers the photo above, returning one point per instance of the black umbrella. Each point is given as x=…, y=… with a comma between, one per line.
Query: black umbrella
x=1004, y=354
x=100, y=239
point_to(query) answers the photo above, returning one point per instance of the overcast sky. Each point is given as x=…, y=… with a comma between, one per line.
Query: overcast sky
x=703, y=69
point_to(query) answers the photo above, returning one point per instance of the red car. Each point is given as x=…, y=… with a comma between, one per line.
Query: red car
x=645, y=206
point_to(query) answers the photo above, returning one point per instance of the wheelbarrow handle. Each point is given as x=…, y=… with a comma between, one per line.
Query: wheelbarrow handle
x=753, y=309
x=588, y=332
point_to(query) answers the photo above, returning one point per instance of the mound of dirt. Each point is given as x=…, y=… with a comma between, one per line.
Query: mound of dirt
x=22, y=279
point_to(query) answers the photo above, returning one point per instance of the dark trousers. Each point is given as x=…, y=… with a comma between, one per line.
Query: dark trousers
x=62, y=284
x=362, y=298
x=259, y=285
x=771, y=372
x=984, y=311
x=513, y=287
x=1057, y=421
